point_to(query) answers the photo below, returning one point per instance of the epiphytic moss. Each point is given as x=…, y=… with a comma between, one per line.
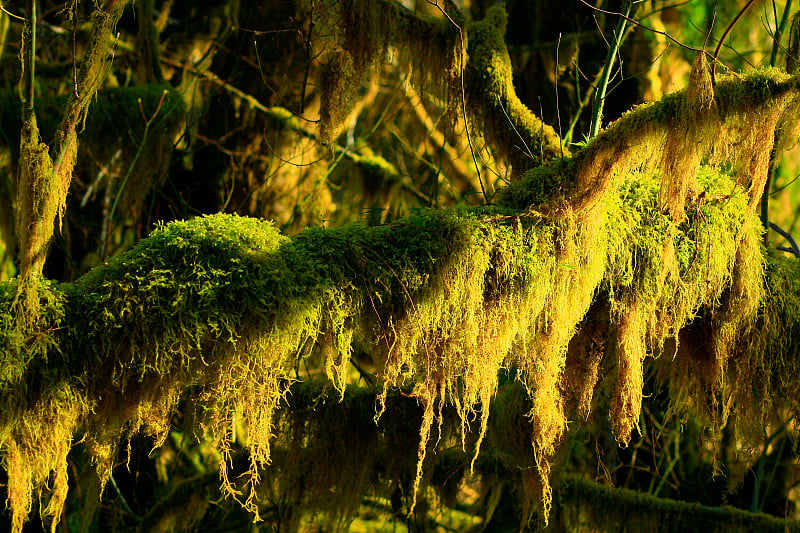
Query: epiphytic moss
x=224, y=308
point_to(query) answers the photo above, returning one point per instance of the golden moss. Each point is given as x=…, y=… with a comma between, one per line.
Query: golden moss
x=687, y=142
x=441, y=302
x=749, y=109
x=40, y=200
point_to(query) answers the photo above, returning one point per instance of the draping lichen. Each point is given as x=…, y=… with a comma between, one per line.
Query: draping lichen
x=739, y=134
x=457, y=67
x=361, y=34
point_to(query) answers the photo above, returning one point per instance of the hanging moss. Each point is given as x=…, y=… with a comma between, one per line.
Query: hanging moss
x=362, y=34
x=459, y=67
x=225, y=308
x=740, y=134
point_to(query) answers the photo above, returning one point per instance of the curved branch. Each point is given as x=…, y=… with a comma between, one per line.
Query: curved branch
x=788, y=236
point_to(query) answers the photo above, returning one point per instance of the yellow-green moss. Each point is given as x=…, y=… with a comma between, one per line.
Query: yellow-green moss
x=225, y=308
x=518, y=135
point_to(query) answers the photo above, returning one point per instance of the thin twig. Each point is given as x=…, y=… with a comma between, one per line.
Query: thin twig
x=558, y=110
x=29, y=59
x=308, y=60
x=711, y=26
x=10, y=14
x=527, y=150
x=74, y=54
x=724, y=36
x=600, y=93
x=648, y=28
x=788, y=236
x=776, y=42
x=148, y=122
x=122, y=499
x=462, y=53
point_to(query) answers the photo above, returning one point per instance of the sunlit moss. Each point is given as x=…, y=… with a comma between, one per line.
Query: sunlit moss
x=225, y=309
x=442, y=301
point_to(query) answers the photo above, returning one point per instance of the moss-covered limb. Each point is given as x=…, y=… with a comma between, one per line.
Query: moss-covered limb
x=517, y=134
x=42, y=182
x=35, y=209
x=585, y=504
x=8, y=241
x=28, y=57
x=749, y=108
x=226, y=310
x=433, y=45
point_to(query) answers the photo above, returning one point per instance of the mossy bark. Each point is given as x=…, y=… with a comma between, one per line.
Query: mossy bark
x=43, y=183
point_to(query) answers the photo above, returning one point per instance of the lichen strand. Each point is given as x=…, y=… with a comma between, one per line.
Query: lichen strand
x=688, y=141
x=712, y=256
x=364, y=32
x=504, y=119
x=223, y=309
x=763, y=369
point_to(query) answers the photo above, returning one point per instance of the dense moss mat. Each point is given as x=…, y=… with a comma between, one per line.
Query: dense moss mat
x=224, y=312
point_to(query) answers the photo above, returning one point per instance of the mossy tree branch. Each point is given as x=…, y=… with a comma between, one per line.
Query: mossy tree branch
x=43, y=182
x=224, y=308
x=433, y=46
x=511, y=129
x=222, y=311
x=766, y=97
